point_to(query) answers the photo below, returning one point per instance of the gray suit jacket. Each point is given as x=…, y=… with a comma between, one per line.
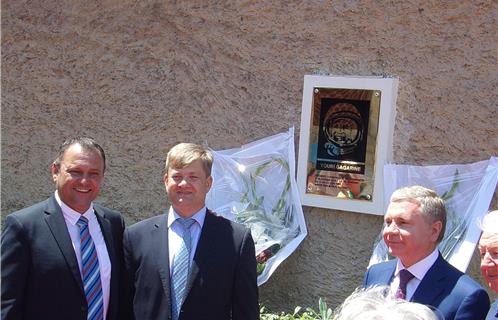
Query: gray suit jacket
x=40, y=273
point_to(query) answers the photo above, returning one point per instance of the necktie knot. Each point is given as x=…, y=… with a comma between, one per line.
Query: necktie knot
x=405, y=276
x=186, y=223
x=82, y=222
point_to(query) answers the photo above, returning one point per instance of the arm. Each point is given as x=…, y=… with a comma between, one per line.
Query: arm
x=127, y=291
x=15, y=269
x=245, y=305
x=474, y=306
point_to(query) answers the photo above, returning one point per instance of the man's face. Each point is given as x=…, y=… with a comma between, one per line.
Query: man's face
x=187, y=188
x=78, y=177
x=408, y=234
x=488, y=248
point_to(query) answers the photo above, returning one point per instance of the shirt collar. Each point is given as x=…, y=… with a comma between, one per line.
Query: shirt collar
x=71, y=215
x=199, y=216
x=420, y=268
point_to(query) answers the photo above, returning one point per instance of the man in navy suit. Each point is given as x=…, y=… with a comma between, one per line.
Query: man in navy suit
x=414, y=225
x=488, y=248
x=42, y=250
x=220, y=275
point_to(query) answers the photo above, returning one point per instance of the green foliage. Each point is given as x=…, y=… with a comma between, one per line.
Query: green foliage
x=324, y=313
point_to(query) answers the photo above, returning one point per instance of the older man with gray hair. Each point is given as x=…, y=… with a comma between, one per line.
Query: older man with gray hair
x=488, y=248
x=414, y=225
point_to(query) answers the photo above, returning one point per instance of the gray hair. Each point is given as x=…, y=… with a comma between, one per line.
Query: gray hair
x=183, y=154
x=378, y=303
x=430, y=204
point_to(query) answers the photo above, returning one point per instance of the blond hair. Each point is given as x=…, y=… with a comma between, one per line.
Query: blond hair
x=183, y=154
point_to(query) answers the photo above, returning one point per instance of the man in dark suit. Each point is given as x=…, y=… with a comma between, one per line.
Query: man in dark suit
x=215, y=279
x=488, y=248
x=414, y=225
x=49, y=271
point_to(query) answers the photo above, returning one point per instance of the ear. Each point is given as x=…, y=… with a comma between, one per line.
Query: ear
x=209, y=182
x=165, y=178
x=54, y=169
x=436, y=228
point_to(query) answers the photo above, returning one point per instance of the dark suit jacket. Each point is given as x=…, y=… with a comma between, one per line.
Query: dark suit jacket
x=452, y=292
x=40, y=273
x=223, y=280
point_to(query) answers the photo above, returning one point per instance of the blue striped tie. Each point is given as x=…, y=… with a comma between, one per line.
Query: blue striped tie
x=90, y=272
x=181, y=266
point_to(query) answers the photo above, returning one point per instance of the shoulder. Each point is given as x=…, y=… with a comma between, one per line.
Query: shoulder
x=29, y=214
x=382, y=266
x=464, y=285
x=147, y=224
x=106, y=212
x=221, y=222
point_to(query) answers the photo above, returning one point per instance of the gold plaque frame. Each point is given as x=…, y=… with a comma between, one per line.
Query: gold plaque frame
x=346, y=136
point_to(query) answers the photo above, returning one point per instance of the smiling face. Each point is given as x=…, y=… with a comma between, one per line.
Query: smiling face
x=408, y=234
x=78, y=177
x=187, y=188
x=488, y=248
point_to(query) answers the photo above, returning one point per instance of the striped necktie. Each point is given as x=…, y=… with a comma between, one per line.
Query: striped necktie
x=181, y=266
x=90, y=273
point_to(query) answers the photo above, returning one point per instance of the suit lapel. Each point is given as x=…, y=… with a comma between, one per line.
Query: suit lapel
x=106, y=228
x=430, y=287
x=202, y=251
x=160, y=247
x=57, y=225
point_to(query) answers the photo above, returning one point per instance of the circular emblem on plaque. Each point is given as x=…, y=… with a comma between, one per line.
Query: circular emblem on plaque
x=343, y=129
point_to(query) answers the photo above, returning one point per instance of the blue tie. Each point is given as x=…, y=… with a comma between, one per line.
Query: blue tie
x=181, y=266
x=91, y=272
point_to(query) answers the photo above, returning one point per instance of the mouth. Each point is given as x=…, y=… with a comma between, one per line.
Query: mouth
x=81, y=190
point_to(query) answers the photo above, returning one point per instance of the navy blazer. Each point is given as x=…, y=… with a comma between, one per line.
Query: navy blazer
x=444, y=287
x=40, y=274
x=223, y=280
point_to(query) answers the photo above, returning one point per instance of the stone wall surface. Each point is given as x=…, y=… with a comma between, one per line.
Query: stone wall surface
x=140, y=76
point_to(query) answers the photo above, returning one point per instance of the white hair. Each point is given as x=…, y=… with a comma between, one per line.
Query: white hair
x=490, y=222
x=378, y=303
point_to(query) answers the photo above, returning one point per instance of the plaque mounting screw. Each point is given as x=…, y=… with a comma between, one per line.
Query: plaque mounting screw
x=377, y=93
x=316, y=90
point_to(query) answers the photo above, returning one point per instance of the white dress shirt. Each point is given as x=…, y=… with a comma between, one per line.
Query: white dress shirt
x=71, y=217
x=175, y=234
x=419, y=270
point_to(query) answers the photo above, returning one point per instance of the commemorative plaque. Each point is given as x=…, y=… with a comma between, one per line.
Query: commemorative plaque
x=340, y=143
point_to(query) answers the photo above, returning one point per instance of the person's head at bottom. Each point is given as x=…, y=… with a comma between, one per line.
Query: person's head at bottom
x=378, y=303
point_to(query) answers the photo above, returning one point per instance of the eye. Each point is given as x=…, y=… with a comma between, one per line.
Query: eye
x=75, y=173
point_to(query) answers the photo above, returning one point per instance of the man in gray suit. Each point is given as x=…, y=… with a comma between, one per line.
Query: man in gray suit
x=488, y=248
x=61, y=257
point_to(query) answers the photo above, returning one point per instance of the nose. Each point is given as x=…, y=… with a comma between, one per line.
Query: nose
x=391, y=227
x=183, y=181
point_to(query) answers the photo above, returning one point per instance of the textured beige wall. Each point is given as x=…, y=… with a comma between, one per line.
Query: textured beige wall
x=141, y=76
